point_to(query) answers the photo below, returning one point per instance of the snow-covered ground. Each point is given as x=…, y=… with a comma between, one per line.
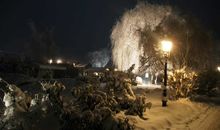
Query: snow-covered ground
x=178, y=115
x=148, y=86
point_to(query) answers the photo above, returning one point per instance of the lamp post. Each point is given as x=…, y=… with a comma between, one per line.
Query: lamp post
x=218, y=68
x=166, y=47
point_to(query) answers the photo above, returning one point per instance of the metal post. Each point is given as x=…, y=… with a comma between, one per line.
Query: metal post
x=164, y=94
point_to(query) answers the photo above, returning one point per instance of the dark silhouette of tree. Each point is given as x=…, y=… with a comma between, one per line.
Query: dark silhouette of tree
x=42, y=45
x=151, y=58
x=192, y=44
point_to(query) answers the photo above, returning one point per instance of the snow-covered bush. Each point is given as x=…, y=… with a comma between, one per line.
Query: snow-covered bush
x=90, y=107
x=181, y=83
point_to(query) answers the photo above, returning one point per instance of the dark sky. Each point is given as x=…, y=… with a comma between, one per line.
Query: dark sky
x=82, y=26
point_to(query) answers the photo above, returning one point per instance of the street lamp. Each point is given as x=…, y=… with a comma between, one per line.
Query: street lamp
x=166, y=47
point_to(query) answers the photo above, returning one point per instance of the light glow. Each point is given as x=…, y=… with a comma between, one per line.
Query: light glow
x=59, y=61
x=166, y=45
x=96, y=73
x=139, y=80
x=218, y=68
x=50, y=61
x=146, y=75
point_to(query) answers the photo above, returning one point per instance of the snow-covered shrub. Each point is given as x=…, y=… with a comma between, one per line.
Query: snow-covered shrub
x=181, y=83
x=90, y=107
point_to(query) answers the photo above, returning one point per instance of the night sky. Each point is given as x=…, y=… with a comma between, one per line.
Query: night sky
x=82, y=26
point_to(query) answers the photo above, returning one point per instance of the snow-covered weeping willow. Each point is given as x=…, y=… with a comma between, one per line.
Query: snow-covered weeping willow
x=126, y=49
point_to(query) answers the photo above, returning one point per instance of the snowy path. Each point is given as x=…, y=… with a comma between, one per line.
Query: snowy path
x=209, y=120
x=179, y=115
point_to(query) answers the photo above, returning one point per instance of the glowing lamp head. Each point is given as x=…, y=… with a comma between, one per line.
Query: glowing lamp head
x=166, y=45
x=59, y=61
